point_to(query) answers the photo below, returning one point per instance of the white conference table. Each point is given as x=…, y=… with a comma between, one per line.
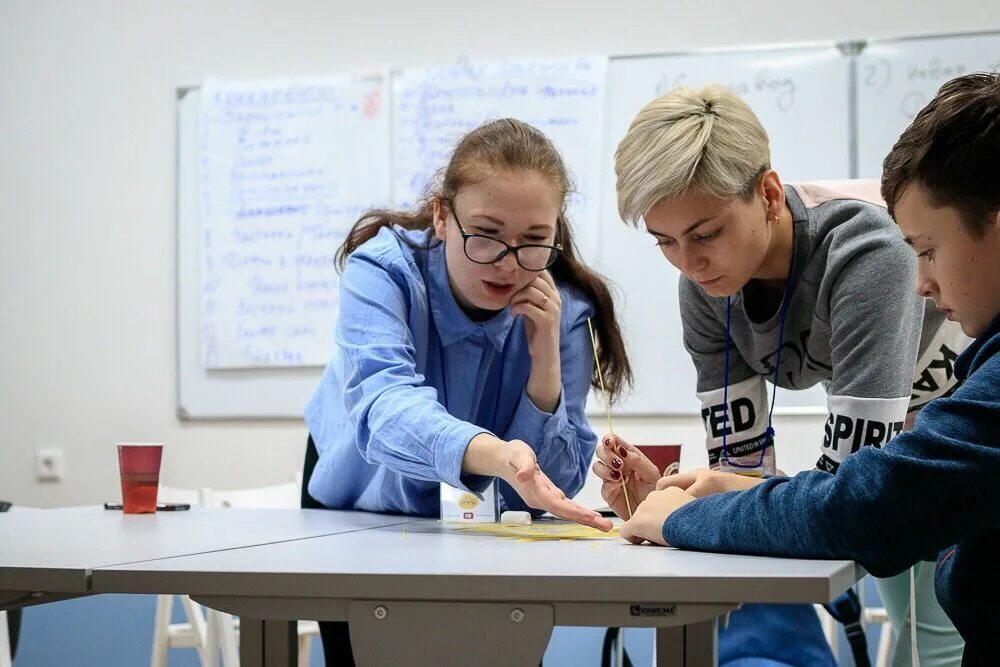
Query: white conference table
x=416, y=592
x=49, y=555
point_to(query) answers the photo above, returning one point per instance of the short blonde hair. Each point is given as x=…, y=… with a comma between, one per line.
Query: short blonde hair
x=707, y=141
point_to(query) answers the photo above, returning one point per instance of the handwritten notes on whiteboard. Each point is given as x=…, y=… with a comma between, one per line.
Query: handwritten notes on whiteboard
x=433, y=107
x=896, y=79
x=800, y=96
x=285, y=168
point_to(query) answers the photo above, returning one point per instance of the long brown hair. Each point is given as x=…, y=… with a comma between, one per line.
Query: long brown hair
x=511, y=145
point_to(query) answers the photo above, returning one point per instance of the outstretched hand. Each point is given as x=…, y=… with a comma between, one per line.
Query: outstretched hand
x=538, y=491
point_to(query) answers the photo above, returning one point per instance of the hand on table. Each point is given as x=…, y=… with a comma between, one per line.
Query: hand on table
x=647, y=522
x=538, y=491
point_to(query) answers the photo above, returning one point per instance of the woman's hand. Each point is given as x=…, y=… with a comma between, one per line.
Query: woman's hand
x=617, y=460
x=703, y=482
x=540, y=304
x=515, y=463
x=538, y=491
x=647, y=522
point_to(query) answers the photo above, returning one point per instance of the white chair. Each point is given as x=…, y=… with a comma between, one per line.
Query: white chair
x=167, y=635
x=873, y=615
x=208, y=631
x=5, y=659
x=879, y=615
x=869, y=615
x=286, y=495
x=830, y=626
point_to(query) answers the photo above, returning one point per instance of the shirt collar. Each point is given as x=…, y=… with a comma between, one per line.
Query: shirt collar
x=450, y=320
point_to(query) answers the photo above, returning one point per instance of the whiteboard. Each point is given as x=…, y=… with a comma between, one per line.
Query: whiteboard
x=801, y=96
x=564, y=98
x=222, y=393
x=897, y=78
x=285, y=167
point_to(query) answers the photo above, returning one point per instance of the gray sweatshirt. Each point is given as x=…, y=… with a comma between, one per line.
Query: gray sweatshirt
x=853, y=323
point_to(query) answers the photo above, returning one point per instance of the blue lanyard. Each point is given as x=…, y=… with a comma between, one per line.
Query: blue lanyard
x=769, y=434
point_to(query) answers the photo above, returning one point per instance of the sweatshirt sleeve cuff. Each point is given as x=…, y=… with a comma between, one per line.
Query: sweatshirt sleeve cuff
x=680, y=527
x=449, y=450
x=534, y=426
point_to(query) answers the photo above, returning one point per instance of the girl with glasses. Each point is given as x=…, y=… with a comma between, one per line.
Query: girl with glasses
x=793, y=284
x=462, y=351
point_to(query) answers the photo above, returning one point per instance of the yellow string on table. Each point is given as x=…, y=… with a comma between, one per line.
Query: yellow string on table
x=541, y=531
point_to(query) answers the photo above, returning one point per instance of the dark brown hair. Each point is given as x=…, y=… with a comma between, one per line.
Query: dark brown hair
x=511, y=145
x=951, y=149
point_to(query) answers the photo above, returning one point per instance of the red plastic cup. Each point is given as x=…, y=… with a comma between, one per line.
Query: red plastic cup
x=139, y=464
x=666, y=458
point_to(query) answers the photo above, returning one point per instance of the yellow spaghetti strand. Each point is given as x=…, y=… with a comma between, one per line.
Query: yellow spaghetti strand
x=607, y=408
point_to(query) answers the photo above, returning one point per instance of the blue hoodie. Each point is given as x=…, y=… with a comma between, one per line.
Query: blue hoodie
x=933, y=490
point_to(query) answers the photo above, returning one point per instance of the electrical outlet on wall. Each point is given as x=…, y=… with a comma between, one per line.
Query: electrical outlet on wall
x=50, y=465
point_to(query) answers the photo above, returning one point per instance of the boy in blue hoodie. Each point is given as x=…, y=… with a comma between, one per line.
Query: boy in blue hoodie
x=933, y=491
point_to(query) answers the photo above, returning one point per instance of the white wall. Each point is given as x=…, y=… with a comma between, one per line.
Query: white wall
x=87, y=239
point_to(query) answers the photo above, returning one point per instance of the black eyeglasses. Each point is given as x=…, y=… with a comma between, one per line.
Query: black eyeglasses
x=483, y=249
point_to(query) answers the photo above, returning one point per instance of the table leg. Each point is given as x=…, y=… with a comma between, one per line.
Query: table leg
x=268, y=643
x=251, y=642
x=281, y=643
x=693, y=645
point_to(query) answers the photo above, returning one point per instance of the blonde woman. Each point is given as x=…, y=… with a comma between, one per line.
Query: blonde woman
x=794, y=284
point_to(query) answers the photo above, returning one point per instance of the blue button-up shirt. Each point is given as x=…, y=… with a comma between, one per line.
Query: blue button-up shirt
x=413, y=379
